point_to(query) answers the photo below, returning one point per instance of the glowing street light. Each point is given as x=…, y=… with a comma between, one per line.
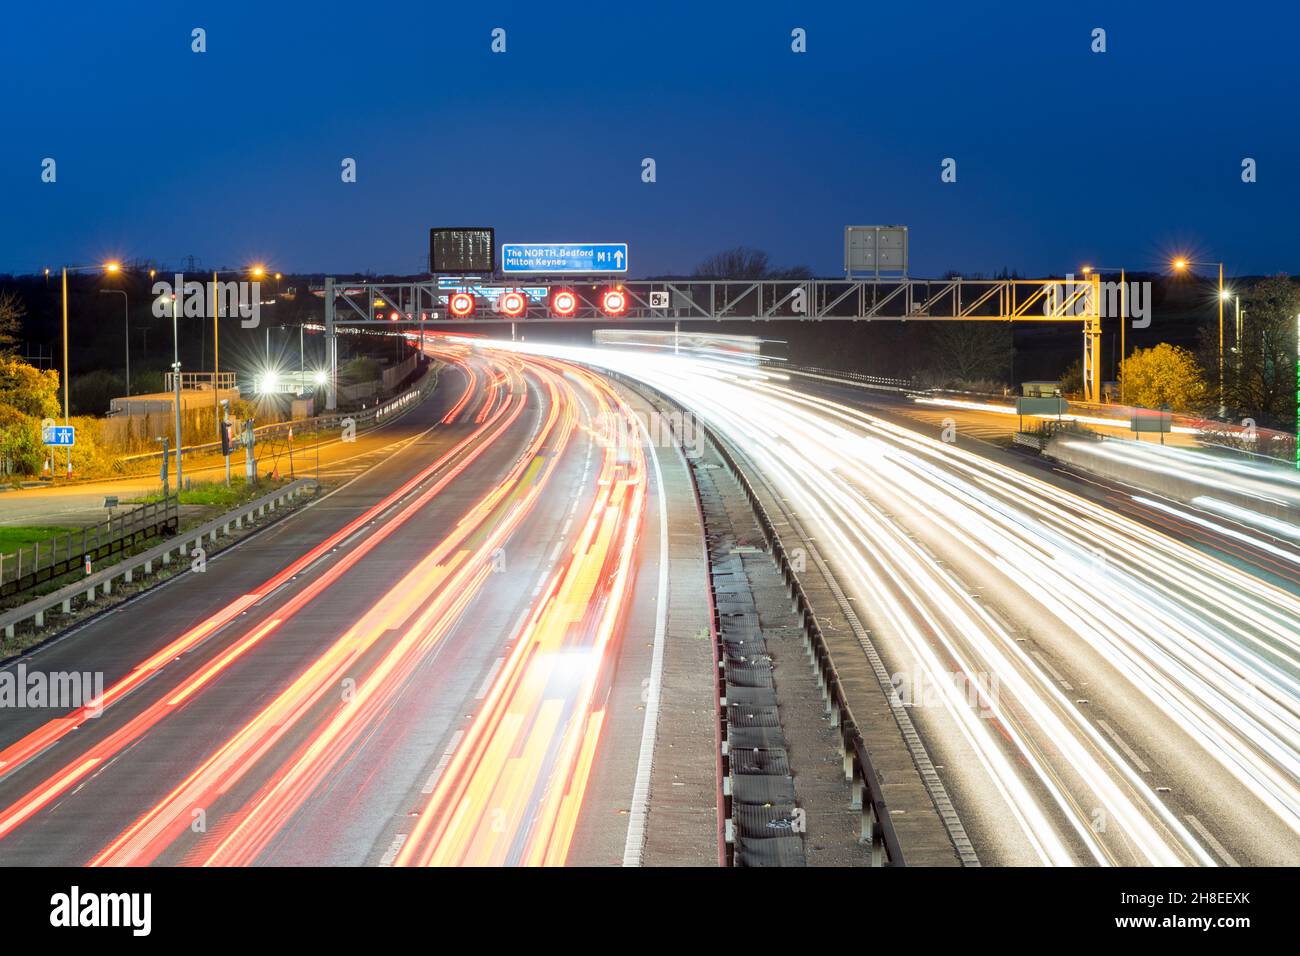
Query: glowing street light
x=112, y=266
x=1180, y=265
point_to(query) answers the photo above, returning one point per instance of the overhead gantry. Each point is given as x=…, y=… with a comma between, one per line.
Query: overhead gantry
x=472, y=301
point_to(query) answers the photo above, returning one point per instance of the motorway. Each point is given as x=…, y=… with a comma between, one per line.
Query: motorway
x=422, y=667
x=448, y=659
x=1093, y=689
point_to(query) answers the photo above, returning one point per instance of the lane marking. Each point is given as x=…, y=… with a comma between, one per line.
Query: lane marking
x=391, y=853
x=442, y=762
x=1122, y=745
x=491, y=676
x=640, y=806
x=1208, y=837
x=1052, y=670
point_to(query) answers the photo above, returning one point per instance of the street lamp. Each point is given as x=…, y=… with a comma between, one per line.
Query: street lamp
x=176, y=378
x=126, y=324
x=1180, y=265
x=112, y=267
x=257, y=271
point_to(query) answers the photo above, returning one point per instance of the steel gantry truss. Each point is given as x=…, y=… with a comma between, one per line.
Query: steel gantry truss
x=723, y=300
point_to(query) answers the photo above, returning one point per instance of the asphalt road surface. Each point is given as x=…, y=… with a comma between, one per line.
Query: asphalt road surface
x=423, y=667
x=1092, y=688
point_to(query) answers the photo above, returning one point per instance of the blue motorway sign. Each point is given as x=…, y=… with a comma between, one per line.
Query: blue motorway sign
x=581, y=258
x=488, y=293
x=60, y=435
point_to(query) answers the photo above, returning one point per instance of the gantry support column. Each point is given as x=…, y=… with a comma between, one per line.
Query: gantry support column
x=1092, y=343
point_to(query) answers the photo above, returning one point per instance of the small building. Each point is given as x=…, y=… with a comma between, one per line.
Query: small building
x=1040, y=389
x=158, y=403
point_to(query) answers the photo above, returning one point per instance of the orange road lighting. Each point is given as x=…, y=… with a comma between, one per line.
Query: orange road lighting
x=112, y=266
x=1180, y=264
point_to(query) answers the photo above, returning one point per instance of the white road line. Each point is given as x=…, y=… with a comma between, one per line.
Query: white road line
x=1215, y=845
x=491, y=676
x=442, y=763
x=1052, y=670
x=640, y=806
x=391, y=853
x=1119, y=742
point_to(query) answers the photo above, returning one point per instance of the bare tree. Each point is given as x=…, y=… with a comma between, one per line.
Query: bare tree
x=1260, y=370
x=966, y=352
x=743, y=262
x=12, y=311
x=738, y=263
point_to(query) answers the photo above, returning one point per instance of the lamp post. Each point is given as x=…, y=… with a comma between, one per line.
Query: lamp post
x=176, y=377
x=257, y=271
x=1180, y=265
x=126, y=325
x=110, y=267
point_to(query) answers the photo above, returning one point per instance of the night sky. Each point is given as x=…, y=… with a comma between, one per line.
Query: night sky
x=1063, y=156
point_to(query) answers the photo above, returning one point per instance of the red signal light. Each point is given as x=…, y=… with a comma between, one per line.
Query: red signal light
x=513, y=303
x=613, y=301
x=392, y=316
x=564, y=302
x=461, y=304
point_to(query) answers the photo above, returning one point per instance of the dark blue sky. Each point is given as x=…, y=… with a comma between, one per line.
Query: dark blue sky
x=1064, y=156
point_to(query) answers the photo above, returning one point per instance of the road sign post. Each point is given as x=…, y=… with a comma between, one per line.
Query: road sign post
x=1158, y=420
x=162, y=472
x=224, y=426
x=1033, y=405
x=59, y=436
x=250, y=461
x=560, y=258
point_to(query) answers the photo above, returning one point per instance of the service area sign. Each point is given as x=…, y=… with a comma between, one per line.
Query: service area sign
x=59, y=436
x=563, y=258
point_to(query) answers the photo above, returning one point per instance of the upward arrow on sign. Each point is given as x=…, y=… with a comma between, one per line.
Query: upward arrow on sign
x=618, y=258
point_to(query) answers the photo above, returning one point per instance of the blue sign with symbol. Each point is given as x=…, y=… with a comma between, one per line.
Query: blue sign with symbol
x=60, y=435
x=581, y=258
